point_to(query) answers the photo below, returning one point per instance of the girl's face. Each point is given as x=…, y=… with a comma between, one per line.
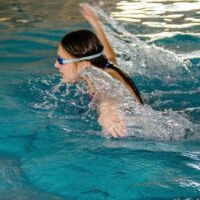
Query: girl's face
x=68, y=71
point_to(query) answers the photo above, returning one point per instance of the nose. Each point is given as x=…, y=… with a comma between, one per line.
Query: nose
x=56, y=64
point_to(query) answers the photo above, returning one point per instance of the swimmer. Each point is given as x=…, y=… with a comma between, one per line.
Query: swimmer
x=81, y=50
x=90, y=15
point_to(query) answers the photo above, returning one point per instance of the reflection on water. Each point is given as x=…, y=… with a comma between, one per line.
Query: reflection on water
x=38, y=14
x=166, y=14
x=162, y=14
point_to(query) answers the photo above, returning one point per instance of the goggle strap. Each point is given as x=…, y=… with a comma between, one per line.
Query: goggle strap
x=83, y=58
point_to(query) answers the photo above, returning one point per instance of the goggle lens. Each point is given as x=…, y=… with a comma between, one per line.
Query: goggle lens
x=60, y=60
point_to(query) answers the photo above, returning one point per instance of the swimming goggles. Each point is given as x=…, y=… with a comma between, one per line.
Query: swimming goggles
x=63, y=61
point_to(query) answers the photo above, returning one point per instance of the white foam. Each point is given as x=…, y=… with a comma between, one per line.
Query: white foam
x=194, y=166
x=137, y=56
x=141, y=121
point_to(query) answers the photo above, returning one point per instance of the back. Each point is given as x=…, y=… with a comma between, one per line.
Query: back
x=127, y=82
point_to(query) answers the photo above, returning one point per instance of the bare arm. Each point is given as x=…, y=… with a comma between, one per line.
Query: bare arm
x=110, y=120
x=90, y=15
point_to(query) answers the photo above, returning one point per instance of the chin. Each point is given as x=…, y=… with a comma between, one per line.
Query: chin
x=74, y=81
x=69, y=81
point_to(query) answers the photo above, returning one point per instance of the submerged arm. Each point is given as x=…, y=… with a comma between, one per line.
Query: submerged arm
x=110, y=119
x=90, y=15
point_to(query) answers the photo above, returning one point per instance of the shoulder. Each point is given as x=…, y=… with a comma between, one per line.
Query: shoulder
x=115, y=74
x=123, y=79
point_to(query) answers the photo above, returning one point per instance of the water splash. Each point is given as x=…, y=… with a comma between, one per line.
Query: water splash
x=136, y=56
x=141, y=121
x=48, y=97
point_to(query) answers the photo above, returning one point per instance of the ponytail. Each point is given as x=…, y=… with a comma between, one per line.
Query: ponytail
x=127, y=79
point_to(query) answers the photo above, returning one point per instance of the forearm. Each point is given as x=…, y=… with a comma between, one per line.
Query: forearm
x=105, y=108
x=110, y=120
x=109, y=52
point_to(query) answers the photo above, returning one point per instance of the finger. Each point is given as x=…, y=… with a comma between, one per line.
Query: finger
x=85, y=6
x=89, y=10
x=84, y=9
x=112, y=132
x=122, y=124
x=120, y=133
x=119, y=130
x=84, y=14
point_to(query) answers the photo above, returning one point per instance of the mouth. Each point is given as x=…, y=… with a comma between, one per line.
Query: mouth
x=61, y=73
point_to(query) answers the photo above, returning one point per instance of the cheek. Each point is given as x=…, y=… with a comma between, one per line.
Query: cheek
x=68, y=74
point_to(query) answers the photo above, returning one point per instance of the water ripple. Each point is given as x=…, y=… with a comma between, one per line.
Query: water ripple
x=159, y=14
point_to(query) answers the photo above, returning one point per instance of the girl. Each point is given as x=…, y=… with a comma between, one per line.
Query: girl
x=81, y=56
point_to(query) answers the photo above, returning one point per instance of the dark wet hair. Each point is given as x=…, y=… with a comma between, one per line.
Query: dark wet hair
x=82, y=43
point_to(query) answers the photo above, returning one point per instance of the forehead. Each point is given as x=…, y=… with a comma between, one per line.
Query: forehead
x=62, y=53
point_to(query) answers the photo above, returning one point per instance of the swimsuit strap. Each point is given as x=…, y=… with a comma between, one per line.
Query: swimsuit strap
x=91, y=96
x=106, y=65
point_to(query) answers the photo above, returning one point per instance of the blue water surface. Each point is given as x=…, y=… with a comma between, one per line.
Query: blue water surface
x=51, y=146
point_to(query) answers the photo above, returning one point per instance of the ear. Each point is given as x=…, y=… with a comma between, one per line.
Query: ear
x=84, y=64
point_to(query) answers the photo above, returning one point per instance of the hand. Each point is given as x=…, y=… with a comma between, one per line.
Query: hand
x=112, y=124
x=89, y=14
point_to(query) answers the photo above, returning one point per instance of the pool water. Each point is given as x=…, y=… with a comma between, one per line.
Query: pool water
x=51, y=146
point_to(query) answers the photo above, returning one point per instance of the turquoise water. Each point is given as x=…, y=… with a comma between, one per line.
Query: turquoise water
x=51, y=146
